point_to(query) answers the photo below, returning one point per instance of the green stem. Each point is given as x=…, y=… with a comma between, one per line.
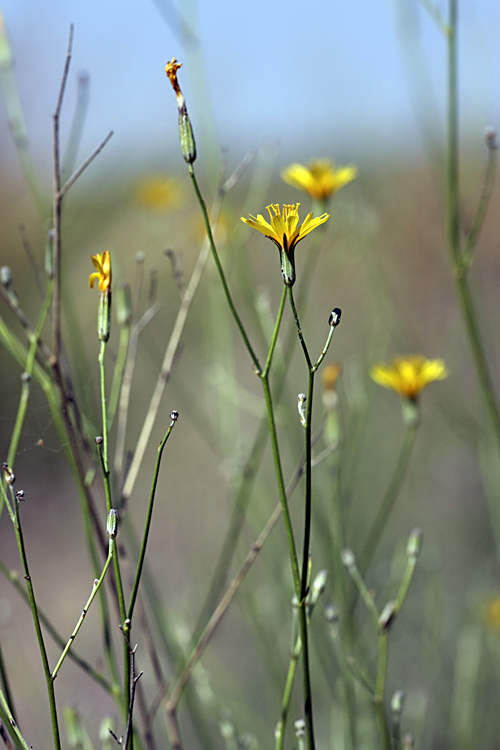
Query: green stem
x=103, y=457
x=215, y=256
x=299, y=328
x=285, y=704
x=5, y=683
x=380, y=688
x=95, y=589
x=453, y=221
x=13, y=578
x=12, y=722
x=147, y=526
x=38, y=629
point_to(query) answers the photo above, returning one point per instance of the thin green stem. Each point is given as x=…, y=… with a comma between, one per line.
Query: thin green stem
x=118, y=372
x=102, y=372
x=103, y=457
x=95, y=589
x=285, y=704
x=4, y=679
x=216, y=258
x=453, y=221
x=13, y=722
x=299, y=328
x=38, y=629
x=482, y=208
x=13, y=578
x=274, y=338
x=147, y=526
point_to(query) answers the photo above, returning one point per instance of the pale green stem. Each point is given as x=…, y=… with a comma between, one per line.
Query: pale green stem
x=225, y=287
x=103, y=456
x=38, y=629
x=95, y=589
x=13, y=578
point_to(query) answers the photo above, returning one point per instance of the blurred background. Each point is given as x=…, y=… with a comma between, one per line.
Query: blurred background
x=354, y=82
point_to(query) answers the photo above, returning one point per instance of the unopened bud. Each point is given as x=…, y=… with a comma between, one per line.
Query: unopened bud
x=348, y=558
x=335, y=316
x=104, y=315
x=174, y=416
x=6, y=276
x=10, y=477
x=397, y=702
x=20, y=495
x=300, y=728
x=301, y=403
x=112, y=525
x=414, y=543
x=99, y=440
x=331, y=614
x=188, y=145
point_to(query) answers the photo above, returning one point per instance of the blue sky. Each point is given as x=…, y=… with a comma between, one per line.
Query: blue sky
x=330, y=76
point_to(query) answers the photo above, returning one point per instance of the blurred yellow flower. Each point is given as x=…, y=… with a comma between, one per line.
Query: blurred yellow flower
x=320, y=179
x=408, y=376
x=330, y=376
x=159, y=193
x=491, y=613
x=283, y=229
x=102, y=262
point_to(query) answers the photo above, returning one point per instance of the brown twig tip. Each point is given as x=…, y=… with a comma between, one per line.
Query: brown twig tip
x=171, y=69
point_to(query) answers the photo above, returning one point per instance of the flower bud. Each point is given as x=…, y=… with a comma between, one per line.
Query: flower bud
x=104, y=315
x=112, y=525
x=414, y=543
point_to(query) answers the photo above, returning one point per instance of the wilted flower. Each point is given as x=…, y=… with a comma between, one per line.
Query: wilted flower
x=320, y=179
x=408, y=376
x=285, y=231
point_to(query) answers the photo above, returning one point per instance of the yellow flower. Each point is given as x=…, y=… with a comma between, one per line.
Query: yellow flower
x=102, y=262
x=408, y=376
x=285, y=232
x=321, y=178
x=159, y=193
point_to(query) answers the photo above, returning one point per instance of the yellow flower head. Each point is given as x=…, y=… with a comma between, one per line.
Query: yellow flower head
x=171, y=69
x=102, y=262
x=408, y=376
x=285, y=232
x=320, y=179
